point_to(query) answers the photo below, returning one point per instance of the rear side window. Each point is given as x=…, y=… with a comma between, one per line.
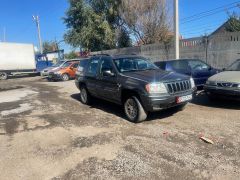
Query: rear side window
x=93, y=67
x=179, y=65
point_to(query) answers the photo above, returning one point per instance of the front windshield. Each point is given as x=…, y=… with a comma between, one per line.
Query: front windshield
x=66, y=64
x=134, y=64
x=234, y=67
x=58, y=64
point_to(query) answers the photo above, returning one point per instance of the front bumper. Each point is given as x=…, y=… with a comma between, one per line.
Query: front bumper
x=156, y=103
x=44, y=74
x=226, y=92
x=55, y=76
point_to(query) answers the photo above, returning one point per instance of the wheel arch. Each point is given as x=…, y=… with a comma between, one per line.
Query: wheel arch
x=126, y=93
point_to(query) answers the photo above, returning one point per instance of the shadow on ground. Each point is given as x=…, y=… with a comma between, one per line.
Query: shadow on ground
x=118, y=110
x=202, y=100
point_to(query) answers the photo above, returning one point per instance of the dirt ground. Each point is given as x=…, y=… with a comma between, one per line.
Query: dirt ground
x=46, y=133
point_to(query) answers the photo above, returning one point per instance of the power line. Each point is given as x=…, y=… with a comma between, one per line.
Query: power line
x=209, y=11
x=207, y=15
x=212, y=26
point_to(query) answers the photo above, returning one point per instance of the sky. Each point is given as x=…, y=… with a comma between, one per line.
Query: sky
x=16, y=18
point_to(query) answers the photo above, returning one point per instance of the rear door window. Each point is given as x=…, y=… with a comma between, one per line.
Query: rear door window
x=82, y=65
x=179, y=65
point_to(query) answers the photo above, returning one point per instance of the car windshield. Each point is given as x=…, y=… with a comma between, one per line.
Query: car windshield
x=58, y=64
x=134, y=64
x=66, y=64
x=234, y=67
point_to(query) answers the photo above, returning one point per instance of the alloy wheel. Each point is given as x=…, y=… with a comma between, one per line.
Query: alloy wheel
x=84, y=95
x=3, y=76
x=65, y=77
x=131, y=108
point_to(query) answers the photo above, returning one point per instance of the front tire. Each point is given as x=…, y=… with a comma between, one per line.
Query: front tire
x=3, y=76
x=85, y=96
x=65, y=77
x=134, y=110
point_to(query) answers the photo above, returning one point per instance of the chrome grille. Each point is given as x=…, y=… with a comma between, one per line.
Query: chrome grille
x=224, y=84
x=178, y=86
x=227, y=85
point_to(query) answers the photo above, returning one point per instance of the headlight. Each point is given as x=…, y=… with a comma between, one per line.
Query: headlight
x=239, y=86
x=192, y=83
x=156, y=88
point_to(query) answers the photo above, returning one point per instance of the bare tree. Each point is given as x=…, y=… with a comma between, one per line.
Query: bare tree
x=149, y=20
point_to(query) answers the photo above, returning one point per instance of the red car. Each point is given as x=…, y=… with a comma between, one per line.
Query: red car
x=65, y=72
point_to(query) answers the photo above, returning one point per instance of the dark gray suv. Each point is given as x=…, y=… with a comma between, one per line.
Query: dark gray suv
x=135, y=83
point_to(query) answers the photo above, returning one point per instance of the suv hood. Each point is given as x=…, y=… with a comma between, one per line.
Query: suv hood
x=156, y=76
x=227, y=76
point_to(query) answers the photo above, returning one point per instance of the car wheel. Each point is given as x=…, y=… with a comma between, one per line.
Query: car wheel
x=85, y=96
x=134, y=110
x=65, y=77
x=3, y=76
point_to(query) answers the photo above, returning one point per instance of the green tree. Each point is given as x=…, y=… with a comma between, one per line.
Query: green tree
x=123, y=38
x=49, y=46
x=71, y=55
x=87, y=29
x=233, y=24
x=93, y=24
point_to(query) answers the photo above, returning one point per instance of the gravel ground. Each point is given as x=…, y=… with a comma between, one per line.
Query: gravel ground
x=46, y=133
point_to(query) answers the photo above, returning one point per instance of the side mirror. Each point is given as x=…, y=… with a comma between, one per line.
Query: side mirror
x=108, y=73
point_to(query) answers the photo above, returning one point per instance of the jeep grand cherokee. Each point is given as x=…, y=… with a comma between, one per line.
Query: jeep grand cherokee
x=135, y=83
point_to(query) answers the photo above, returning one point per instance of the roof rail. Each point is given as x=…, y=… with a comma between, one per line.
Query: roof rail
x=128, y=54
x=101, y=55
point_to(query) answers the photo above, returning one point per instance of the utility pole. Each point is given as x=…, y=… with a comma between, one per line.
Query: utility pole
x=36, y=19
x=176, y=29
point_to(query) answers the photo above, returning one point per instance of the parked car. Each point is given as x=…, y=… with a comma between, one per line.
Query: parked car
x=197, y=69
x=64, y=72
x=226, y=83
x=135, y=83
x=45, y=72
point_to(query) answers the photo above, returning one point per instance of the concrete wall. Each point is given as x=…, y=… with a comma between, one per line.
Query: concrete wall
x=218, y=50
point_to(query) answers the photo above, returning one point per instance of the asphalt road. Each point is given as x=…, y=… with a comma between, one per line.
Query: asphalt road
x=46, y=133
